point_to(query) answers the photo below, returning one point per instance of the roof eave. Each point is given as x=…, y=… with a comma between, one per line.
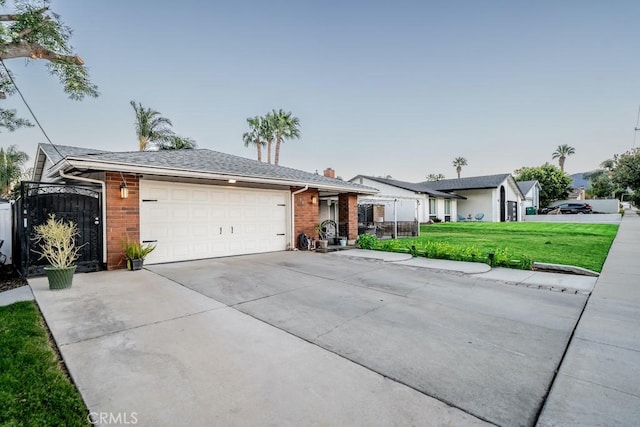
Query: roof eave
x=80, y=163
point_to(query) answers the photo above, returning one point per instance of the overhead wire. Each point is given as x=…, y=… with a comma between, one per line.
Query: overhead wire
x=29, y=107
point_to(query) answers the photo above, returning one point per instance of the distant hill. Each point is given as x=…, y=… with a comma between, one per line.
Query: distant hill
x=580, y=181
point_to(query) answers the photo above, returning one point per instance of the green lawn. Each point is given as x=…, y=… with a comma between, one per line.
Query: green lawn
x=34, y=390
x=582, y=245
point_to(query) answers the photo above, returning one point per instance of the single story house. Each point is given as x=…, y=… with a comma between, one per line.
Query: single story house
x=198, y=203
x=406, y=201
x=531, y=192
x=496, y=197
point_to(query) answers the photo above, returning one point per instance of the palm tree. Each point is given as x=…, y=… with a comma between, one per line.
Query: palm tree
x=267, y=132
x=178, y=143
x=561, y=154
x=286, y=127
x=151, y=127
x=458, y=163
x=254, y=136
x=435, y=177
x=11, y=168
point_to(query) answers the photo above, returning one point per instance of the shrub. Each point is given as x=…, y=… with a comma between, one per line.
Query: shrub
x=367, y=241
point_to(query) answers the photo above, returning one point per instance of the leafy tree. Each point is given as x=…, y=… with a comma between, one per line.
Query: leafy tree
x=436, y=177
x=626, y=172
x=458, y=163
x=285, y=127
x=561, y=153
x=34, y=32
x=602, y=186
x=554, y=183
x=151, y=127
x=11, y=168
x=254, y=136
x=178, y=143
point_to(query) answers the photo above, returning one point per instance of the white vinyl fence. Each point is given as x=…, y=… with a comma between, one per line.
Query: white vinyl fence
x=5, y=231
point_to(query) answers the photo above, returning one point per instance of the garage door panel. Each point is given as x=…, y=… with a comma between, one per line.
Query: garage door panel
x=191, y=221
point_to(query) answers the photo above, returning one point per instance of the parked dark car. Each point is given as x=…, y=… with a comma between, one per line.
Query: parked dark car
x=567, y=208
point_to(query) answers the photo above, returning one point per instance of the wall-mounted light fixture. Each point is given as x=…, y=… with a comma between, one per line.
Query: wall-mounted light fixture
x=124, y=191
x=314, y=200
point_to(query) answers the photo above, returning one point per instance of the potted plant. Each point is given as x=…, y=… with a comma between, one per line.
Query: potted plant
x=135, y=253
x=322, y=243
x=57, y=241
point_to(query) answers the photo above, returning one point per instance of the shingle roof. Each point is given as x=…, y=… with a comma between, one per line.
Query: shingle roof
x=470, y=183
x=415, y=187
x=206, y=161
x=525, y=186
x=56, y=154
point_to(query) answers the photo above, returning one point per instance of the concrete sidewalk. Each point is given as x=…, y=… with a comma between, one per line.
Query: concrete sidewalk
x=599, y=379
x=533, y=279
x=22, y=293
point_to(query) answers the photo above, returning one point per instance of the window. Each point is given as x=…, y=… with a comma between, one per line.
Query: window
x=433, y=211
x=447, y=207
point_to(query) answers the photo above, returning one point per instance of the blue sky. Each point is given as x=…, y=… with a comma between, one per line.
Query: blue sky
x=381, y=88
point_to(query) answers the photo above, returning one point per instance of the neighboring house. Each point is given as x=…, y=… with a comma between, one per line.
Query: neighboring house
x=406, y=201
x=531, y=192
x=496, y=196
x=199, y=203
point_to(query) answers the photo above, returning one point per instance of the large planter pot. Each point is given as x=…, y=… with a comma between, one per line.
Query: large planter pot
x=134, y=264
x=60, y=278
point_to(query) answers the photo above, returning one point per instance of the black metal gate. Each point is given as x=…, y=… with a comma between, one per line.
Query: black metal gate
x=78, y=203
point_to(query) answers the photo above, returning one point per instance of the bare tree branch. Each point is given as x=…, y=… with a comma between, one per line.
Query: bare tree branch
x=35, y=51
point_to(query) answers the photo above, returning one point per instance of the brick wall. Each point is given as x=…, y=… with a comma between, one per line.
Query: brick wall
x=306, y=214
x=348, y=213
x=123, y=216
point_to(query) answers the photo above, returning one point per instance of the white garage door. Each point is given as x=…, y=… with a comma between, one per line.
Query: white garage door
x=192, y=221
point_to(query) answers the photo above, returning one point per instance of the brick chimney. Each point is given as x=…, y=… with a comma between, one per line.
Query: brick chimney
x=329, y=173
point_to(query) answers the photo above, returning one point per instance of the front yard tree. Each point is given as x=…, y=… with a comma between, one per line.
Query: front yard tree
x=12, y=163
x=602, y=186
x=555, y=184
x=33, y=32
x=458, y=163
x=561, y=153
x=626, y=172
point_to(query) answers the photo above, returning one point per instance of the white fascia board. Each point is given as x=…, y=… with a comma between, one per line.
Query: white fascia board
x=71, y=162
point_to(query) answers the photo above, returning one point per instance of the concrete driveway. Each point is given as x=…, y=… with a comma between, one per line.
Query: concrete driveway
x=303, y=338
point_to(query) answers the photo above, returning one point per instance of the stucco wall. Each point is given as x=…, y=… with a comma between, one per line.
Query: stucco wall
x=478, y=201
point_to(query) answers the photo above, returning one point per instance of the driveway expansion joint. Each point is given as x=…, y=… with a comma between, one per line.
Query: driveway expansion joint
x=132, y=328
x=608, y=344
x=602, y=385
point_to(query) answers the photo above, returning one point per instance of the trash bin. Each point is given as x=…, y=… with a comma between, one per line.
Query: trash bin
x=531, y=210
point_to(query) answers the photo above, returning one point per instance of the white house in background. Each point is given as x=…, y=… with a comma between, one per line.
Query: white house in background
x=531, y=191
x=496, y=197
x=406, y=201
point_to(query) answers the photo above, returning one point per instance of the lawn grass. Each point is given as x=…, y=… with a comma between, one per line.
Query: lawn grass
x=34, y=389
x=582, y=245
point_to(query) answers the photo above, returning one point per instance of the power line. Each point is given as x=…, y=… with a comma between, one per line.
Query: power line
x=29, y=108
